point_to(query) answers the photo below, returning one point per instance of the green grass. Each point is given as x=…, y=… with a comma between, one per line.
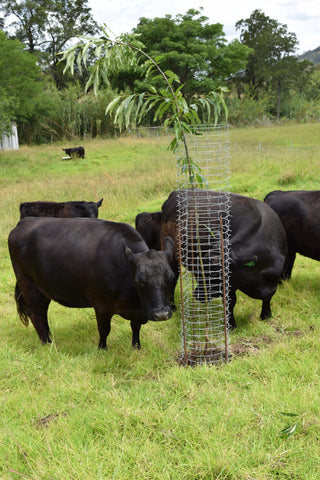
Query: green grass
x=71, y=412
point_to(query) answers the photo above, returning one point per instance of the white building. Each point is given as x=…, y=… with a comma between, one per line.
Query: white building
x=10, y=142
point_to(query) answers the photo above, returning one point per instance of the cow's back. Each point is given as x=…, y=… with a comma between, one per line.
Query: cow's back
x=249, y=217
x=299, y=212
x=254, y=222
x=149, y=225
x=60, y=209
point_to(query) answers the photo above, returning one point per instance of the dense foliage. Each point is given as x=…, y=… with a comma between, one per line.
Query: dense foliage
x=263, y=74
x=196, y=51
x=271, y=65
x=21, y=84
x=46, y=26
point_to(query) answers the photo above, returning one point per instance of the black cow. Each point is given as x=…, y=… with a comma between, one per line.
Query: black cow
x=148, y=225
x=60, y=209
x=81, y=262
x=299, y=211
x=74, y=152
x=257, y=253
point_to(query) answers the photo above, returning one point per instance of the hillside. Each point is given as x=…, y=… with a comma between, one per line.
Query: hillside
x=312, y=56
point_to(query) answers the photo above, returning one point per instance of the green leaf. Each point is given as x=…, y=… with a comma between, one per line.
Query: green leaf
x=251, y=263
x=289, y=414
x=112, y=105
x=288, y=431
x=163, y=107
x=173, y=144
x=201, y=180
x=172, y=76
x=209, y=229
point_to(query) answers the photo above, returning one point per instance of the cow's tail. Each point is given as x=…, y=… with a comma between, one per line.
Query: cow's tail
x=21, y=306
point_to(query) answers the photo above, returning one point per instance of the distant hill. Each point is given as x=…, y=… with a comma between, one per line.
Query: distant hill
x=311, y=55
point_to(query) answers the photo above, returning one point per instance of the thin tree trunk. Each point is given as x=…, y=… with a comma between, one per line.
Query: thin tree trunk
x=279, y=99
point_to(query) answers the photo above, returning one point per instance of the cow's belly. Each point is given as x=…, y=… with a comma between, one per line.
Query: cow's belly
x=67, y=299
x=66, y=291
x=257, y=285
x=259, y=291
x=310, y=251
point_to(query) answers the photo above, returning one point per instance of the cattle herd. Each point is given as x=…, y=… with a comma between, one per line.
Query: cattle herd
x=63, y=252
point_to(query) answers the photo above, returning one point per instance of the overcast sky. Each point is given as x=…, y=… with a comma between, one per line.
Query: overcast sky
x=301, y=17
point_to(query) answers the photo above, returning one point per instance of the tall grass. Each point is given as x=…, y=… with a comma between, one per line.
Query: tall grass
x=70, y=411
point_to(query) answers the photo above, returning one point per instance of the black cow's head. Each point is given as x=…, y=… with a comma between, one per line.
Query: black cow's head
x=153, y=279
x=90, y=209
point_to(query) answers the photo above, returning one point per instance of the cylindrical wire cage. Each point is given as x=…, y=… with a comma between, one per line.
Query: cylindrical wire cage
x=203, y=230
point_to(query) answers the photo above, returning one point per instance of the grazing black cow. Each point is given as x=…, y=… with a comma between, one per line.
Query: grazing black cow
x=148, y=225
x=74, y=152
x=60, y=209
x=82, y=262
x=299, y=211
x=257, y=253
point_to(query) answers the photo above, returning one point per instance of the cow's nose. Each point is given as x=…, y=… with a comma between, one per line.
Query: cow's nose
x=162, y=315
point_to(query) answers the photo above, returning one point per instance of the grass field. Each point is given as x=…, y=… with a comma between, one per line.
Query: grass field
x=72, y=412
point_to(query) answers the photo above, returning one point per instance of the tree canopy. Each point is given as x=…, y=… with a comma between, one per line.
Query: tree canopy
x=271, y=63
x=196, y=51
x=20, y=79
x=46, y=26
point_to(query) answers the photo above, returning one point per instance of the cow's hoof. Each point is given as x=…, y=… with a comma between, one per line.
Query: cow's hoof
x=136, y=346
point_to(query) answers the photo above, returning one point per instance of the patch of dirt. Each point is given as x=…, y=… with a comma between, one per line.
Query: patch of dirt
x=214, y=355
x=209, y=355
x=249, y=346
x=45, y=421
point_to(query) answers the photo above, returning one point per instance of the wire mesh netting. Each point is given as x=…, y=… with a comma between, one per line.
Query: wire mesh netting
x=203, y=222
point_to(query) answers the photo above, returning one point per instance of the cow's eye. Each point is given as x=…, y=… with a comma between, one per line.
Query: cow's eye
x=140, y=282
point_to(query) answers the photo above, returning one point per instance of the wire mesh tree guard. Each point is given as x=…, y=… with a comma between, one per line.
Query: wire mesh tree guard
x=203, y=231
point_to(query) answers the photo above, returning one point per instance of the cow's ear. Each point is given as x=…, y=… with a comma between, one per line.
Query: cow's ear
x=128, y=253
x=130, y=256
x=169, y=247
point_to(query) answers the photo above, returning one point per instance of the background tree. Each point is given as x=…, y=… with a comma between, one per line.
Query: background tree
x=21, y=82
x=271, y=64
x=193, y=49
x=46, y=26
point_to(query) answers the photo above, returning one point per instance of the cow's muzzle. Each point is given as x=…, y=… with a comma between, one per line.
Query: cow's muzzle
x=161, y=315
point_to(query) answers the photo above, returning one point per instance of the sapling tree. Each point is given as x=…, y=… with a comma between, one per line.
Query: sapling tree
x=167, y=104
x=104, y=56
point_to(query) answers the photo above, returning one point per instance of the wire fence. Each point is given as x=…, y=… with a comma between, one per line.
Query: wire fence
x=203, y=220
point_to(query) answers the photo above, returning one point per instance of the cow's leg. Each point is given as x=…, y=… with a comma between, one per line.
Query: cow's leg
x=39, y=320
x=33, y=304
x=231, y=304
x=266, y=308
x=288, y=265
x=135, y=327
x=104, y=327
